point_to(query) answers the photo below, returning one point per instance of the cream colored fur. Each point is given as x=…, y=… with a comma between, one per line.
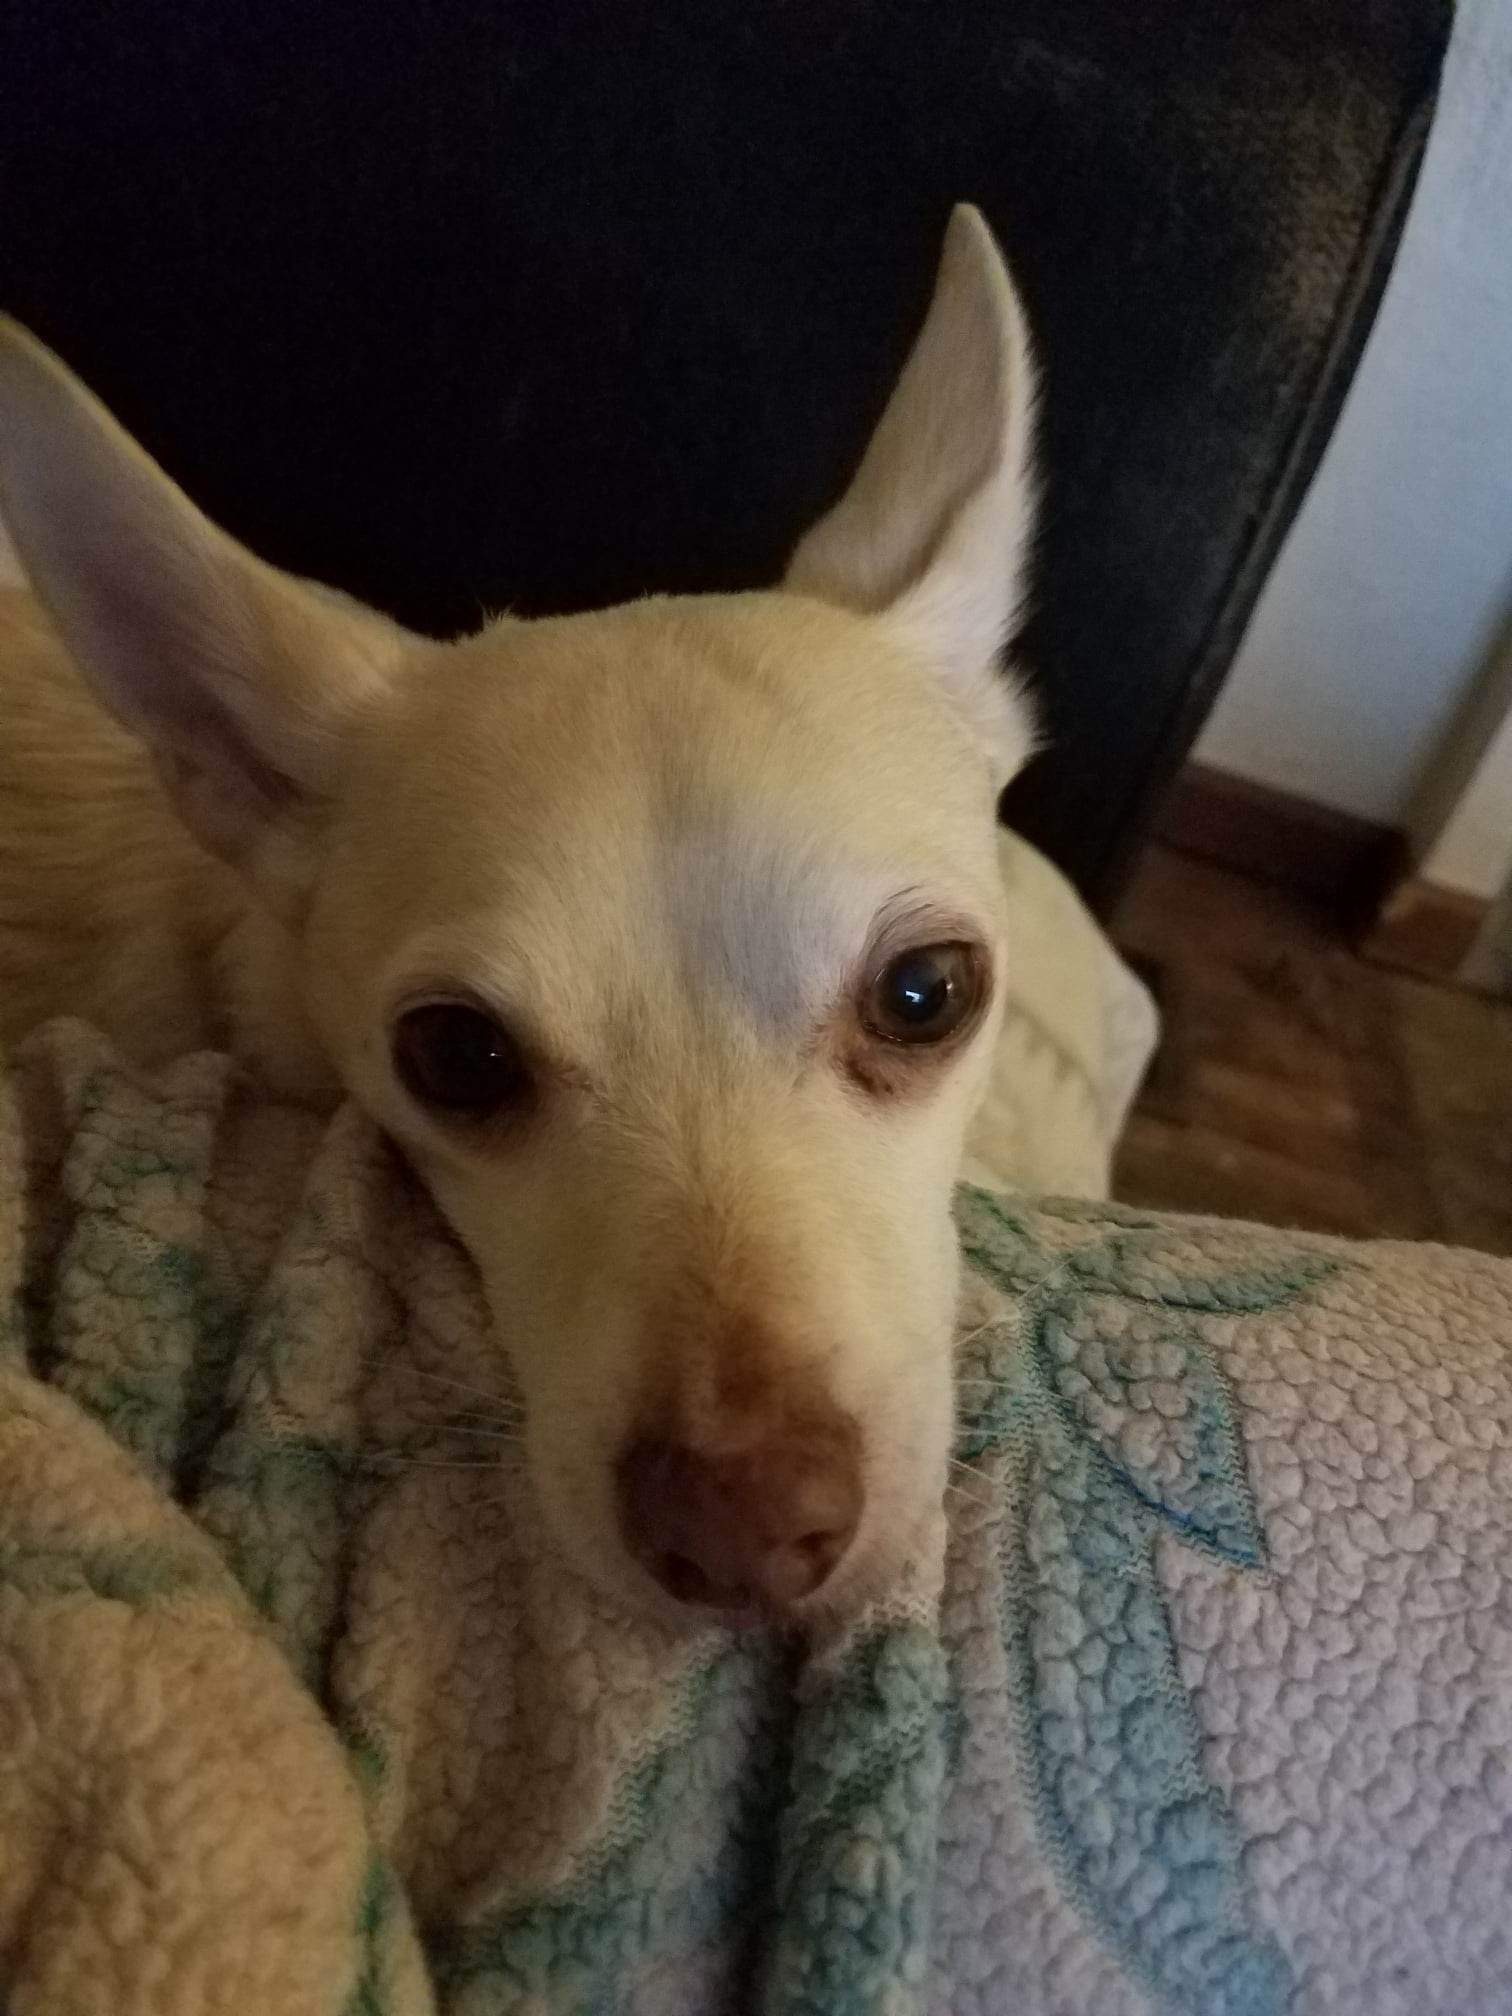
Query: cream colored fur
x=666, y=837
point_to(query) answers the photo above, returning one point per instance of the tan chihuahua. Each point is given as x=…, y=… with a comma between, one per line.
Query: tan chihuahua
x=665, y=939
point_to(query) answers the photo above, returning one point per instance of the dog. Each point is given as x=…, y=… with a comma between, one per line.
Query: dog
x=667, y=940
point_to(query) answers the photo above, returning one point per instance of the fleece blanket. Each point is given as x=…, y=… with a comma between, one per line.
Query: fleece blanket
x=1199, y=1698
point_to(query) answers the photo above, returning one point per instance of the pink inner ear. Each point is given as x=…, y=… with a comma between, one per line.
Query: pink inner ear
x=159, y=657
x=225, y=803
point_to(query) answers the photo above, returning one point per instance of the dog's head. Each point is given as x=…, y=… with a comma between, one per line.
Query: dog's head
x=666, y=939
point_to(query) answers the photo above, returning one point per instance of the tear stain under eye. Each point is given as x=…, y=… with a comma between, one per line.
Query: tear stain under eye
x=884, y=1070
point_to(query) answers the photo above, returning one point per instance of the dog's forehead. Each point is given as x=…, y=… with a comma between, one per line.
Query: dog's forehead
x=688, y=704
x=716, y=797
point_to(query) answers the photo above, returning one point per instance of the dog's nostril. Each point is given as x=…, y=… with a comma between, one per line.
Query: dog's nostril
x=819, y=1550
x=763, y=1529
x=685, y=1580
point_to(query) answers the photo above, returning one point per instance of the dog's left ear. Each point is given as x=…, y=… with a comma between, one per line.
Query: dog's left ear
x=243, y=682
x=934, y=532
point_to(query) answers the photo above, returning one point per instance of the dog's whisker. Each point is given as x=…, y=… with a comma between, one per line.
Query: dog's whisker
x=500, y=1400
x=394, y=1460
x=491, y=1433
x=491, y=1394
x=974, y=1499
x=959, y=1500
x=970, y=1336
x=979, y=1491
x=505, y=1411
x=491, y=1416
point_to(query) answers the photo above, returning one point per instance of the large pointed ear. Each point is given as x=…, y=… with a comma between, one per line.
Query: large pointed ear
x=935, y=529
x=240, y=680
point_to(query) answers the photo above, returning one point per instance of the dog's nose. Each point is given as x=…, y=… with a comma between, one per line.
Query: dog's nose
x=759, y=1529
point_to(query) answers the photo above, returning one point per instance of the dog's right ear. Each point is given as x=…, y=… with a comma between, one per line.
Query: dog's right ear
x=238, y=678
x=933, y=534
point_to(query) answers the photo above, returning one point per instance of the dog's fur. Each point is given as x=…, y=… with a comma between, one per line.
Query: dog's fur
x=669, y=841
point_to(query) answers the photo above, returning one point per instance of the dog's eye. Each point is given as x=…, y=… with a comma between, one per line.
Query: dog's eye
x=924, y=995
x=459, y=1060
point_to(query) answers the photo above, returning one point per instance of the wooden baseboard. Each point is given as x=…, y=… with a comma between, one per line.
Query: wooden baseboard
x=1425, y=928
x=1332, y=858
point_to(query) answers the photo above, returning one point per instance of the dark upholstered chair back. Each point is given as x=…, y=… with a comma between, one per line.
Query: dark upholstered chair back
x=468, y=305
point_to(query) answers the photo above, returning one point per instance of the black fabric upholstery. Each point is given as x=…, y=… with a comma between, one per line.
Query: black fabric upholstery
x=468, y=305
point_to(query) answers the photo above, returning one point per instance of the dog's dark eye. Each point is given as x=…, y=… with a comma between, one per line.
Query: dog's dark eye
x=925, y=995
x=459, y=1060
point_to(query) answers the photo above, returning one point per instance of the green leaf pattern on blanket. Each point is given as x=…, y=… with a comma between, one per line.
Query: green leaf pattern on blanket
x=859, y=1836
x=667, y=1880
x=380, y=1928
x=1111, y=1423
x=135, y=1245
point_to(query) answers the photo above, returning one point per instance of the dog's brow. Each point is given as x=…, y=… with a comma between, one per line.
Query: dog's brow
x=765, y=925
x=914, y=917
x=786, y=931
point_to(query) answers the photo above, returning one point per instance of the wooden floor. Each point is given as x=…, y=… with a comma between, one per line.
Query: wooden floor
x=1299, y=1085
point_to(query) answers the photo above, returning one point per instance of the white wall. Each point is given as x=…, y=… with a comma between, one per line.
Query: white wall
x=1397, y=577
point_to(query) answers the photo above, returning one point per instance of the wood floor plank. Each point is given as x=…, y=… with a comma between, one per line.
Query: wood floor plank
x=1299, y=1085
